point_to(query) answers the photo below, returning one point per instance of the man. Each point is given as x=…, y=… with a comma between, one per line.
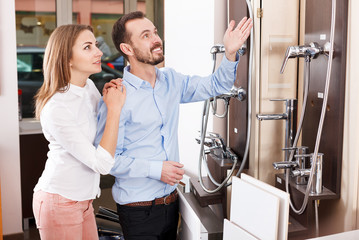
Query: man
x=147, y=167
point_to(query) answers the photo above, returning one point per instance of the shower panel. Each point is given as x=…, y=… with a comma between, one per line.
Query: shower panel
x=327, y=175
x=318, y=30
x=237, y=123
x=232, y=154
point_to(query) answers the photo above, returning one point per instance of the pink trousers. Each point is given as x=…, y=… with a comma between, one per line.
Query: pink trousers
x=61, y=218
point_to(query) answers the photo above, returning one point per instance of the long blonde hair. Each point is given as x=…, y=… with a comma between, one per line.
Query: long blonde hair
x=56, y=65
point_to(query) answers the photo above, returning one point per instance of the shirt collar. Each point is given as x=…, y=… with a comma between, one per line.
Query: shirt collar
x=135, y=81
x=79, y=91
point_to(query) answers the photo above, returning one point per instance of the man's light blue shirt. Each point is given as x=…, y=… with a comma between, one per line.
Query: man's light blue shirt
x=148, y=129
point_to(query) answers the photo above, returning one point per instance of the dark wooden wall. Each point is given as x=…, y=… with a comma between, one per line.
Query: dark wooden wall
x=318, y=23
x=238, y=110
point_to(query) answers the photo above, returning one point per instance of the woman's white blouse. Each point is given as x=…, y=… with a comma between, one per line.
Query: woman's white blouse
x=74, y=164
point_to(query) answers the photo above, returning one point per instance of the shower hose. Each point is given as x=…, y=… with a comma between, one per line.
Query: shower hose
x=202, y=157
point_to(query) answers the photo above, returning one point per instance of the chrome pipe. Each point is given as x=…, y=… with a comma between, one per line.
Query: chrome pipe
x=317, y=183
x=284, y=165
x=262, y=117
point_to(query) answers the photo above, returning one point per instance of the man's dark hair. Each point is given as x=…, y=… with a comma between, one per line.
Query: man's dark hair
x=119, y=33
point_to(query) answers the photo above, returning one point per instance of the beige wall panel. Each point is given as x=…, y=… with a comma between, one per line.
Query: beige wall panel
x=351, y=134
x=280, y=24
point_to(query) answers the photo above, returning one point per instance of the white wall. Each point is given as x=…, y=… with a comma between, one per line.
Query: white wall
x=189, y=34
x=9, y=125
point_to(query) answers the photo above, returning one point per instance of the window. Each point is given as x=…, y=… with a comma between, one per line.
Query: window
x=36, y=20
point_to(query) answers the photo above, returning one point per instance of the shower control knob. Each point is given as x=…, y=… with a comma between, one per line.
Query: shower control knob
x=239, y=93
x=242, y=50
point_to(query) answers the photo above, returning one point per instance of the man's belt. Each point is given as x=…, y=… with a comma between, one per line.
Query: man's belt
x=158, y=201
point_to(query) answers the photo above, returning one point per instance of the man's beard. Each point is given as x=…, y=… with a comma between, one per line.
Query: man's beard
x=147, y=59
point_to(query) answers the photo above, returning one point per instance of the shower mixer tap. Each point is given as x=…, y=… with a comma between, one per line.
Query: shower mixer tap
x=236, y=92
x=242, y=50
x=215, y=144
x=317, y=183
x=300, y=172
x=213, y=141
x=298, y=167
x=219, y=48
x=312, y=50
x=285, y=165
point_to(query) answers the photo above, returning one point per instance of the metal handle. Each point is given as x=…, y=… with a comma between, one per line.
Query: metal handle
x=230, y=154
x=303, y=155
x=240, y=93
x=283, y=100
x=289, y=148
x=284, y=165
x=311, y=50
x=218, y=48
x=214, y=135
x=242, y=50
x=286, y=57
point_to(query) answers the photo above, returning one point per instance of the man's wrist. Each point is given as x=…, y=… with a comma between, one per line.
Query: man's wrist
x=231, y=56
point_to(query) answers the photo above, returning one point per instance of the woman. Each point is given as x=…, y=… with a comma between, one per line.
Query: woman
x=66, y=105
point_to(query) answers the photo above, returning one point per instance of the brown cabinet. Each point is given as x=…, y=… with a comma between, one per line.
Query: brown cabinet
x=33, y=155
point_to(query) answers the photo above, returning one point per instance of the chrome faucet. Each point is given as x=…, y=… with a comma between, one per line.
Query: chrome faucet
x=236, y=92
x=215, y=144
x=290, y=116
x=262, y=117
x=213, y=141
x=219, y=48
x=317, y=182
x=312, y=50
x=285, y=165
x=297, y=167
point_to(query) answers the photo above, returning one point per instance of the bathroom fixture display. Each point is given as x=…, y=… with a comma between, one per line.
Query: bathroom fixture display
x=219, y=167
x=237, y=93
x=322, y=128
x=294, y=168
x=312, y=51
x=309, y=52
